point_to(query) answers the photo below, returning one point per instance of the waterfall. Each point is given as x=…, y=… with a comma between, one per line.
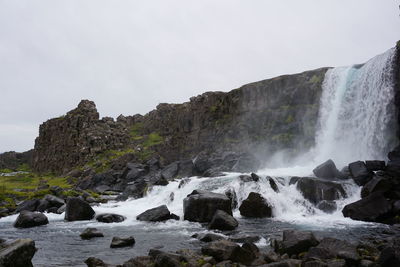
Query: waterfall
x=356, y=118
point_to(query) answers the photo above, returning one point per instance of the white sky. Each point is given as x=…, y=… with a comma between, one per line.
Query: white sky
x=128, y=56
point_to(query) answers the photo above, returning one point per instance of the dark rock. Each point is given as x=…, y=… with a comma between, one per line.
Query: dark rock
x=294, y=180
x=373, y=208
x=162, y=182
x=245, y=254
x=295, y=242
x=133, y=171
x=393, y=168
x=29, y=205
x=18, y=253
x=245, y=239
x=335, y=248
x=273, y=185
x=255, y=177
x=377, y=184
x=28, y=219
x=174, y=217
x=389, y=257
x=119, y=242
x=314, y=263
x=223, y=221
x=221, y=250
x=375, y=165
x=43, y=205
x=95, y=262
x=231, y=194
x=210, y=237
x=157, y=214
x=326, y=170
x=271, y=256
x=141, y=261
x=285, y=263
x=395, y=154
x=110, y=218
x=185, y=168
x=200, y=206
x=183, y=182
x=249, y=178
x=359, y=172
x=255, y=206
x=170, y=171
x=166, y=259
x=89, y=233
x=316, y=190
x=327, y=206
x=54, y=201
x=77, y=210
x=61, y=209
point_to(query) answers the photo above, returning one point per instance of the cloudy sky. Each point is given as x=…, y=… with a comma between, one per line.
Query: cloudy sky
x=128, y=56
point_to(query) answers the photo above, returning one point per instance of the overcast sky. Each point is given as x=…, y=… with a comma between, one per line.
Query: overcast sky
x=128, y=56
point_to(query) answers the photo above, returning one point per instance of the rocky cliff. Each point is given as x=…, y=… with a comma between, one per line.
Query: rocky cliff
x=261, y=117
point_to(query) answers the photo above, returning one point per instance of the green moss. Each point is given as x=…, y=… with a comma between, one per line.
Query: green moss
x=282, y=138
x=213, y=108
x=136, y=131
x=316, y=79
x=289, y=119
x=153, y=139
x=6, y=171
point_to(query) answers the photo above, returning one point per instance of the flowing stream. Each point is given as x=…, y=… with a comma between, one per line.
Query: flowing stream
x=356, y=123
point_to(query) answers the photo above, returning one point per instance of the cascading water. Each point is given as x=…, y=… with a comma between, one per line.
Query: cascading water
x=356, y=123
x=357, y=112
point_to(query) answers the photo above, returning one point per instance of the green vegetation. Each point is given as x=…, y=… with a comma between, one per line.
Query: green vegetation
x=6, y=171
x=152, y=140
x=103, y=161
x=316, y=79
x=24, y=186
x=136, y=131
x=289, y=119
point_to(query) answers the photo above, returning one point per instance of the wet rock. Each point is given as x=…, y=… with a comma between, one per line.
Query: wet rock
x=272, y=184
x=231, y=194
x=245, y=239
x=28, y=219
x=221, y=250
x=295, y=242
x=174, y=217
x=29, y=205
x=141, y=261
x=326, y=170
x=249, y=178
x=183, y=182
x=376, y=184
x=255, y=206
x=170, y=171
x=223, y=221
x=166, y=259
x=95, y=262
x=110, y=218
x=389, y=257
x=373, y=208
x=61, y=209
x=316, y=190
x=209, y=237
x=375, y=165
x=393, y=168
x=43, y=205
x=162, y=182
x=330, y=248
x=77, y=210
x=18, y=253
x=185, y=168
x=200, y=206
x=285, y=263
x=54, y=201
x=314, y=263
x=359, y=172
x=133, y=171
x=157, y=214
x=119, y=242
x=327, y=206
x=271, y=256
x=89, y=233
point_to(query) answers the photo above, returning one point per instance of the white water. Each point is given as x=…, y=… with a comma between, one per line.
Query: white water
x=357, y=112
x=355, y=116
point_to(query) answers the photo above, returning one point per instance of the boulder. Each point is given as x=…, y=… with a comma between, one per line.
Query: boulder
x=89, y=233
x=133, y=171
x=166, y=259
x=161, y=182
x=359, y=172
x=249, y=178
x=326, y=170
x=119, y=242
x=255, y=206
x=377, y=184
x=29, y=205
x=327, y=206
x=393, y=168
x=373, y=208
x=295, y=242
x=140, y=261
x=245, y=239
x=170, y=171
x=221, y=250
x=54, y=201
x=95, y=262
x=209, y=237
x=18, y=253
x=28, y=219
x=316, y=190
x=375, y=165
x=77, y=210
x=331, y=248
x=200, y=206
x=110, y=218
x=157, y=214
x=43, y=205
x=231, y=194
x=273, y=184
x=223, y=221
x=389, y=256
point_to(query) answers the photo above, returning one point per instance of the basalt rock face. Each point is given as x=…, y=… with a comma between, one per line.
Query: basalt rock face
x=12, y=160
x=75, y=138
x=260, y=118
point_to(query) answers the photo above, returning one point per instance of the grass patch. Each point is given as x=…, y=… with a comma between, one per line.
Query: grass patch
x=152, y=140
x=136, y=131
